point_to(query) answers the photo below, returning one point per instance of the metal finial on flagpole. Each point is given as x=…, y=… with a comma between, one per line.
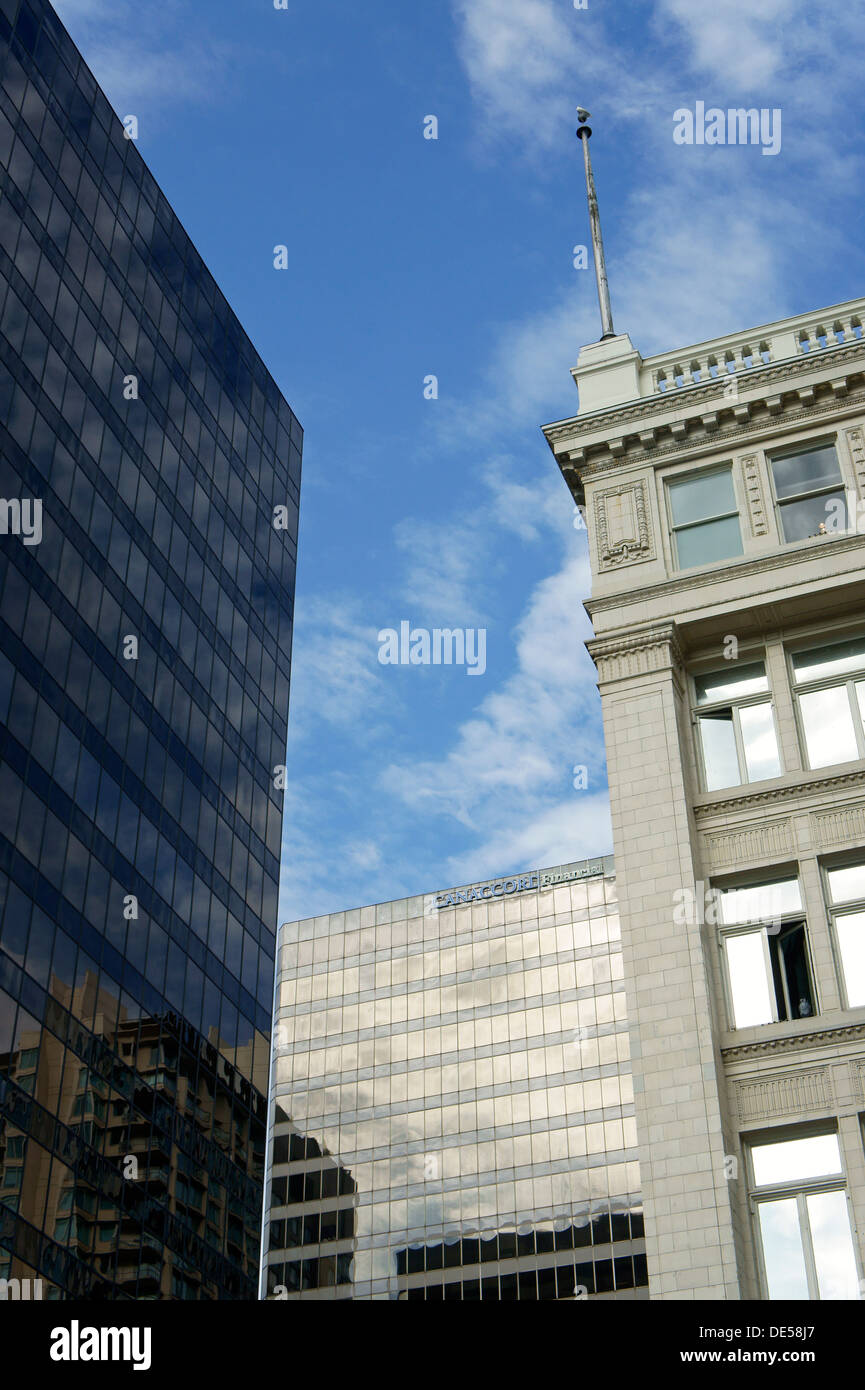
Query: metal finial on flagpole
x=584, y=134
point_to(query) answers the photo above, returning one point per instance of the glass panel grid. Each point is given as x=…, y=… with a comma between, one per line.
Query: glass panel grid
x=806, y=1241
x=145, y=784
x=479, y=1098
x=738, y=741
x=704, y=518
x=809, y=491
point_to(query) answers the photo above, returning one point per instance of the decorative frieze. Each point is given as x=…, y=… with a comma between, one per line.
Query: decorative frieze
x=839, y=826
x=748, y=846
x=788, y=1093
x=622, y=526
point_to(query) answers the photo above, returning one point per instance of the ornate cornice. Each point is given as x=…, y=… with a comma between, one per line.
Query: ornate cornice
x=738, y=569
x=792, y=792
x=796, y=1042
x=752, y=430
x=701, y=395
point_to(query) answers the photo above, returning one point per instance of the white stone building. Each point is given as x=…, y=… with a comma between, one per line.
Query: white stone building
x=723, y=490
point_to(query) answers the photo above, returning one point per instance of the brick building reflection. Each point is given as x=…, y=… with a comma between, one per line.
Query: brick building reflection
x=129, y=1154
x=323, y=1236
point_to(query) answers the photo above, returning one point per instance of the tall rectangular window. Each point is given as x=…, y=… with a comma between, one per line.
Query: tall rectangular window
x=736, y=726
x=803, y=1222
x=847, y=907
x=830, y=692
x=705, y=518
x=765, y=948
x=809, y=491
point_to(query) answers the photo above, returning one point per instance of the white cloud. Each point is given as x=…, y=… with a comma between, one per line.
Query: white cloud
x=742, y=42
x=786, y=46
x=145, y=59
x=517, y=750
x=577, y=827
x=337, y=679
x=530, y=62
x=365, y=854
x=720, y=269
x=530, y=511
x=447, y=571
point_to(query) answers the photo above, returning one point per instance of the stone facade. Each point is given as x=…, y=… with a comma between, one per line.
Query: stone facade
x=704, y=1089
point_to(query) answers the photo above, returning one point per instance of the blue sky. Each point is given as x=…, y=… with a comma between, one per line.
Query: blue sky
x=411, y=257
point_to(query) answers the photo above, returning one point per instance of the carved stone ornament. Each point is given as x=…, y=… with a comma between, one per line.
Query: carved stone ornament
x=622, y=528
x=754, y=494
x=856, y=443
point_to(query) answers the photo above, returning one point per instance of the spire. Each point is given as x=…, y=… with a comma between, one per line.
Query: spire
x=584, y=133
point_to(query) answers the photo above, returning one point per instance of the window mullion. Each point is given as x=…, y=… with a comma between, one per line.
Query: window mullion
x=770, y=977
x=857, y=717
x=807, y=1245
x=740, y=746
x=785, y=984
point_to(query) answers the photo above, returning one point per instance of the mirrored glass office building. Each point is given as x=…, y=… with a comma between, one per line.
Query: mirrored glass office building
x=452, y=1100
x=145, y=621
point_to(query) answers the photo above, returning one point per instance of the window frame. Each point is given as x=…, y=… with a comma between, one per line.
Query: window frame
x=808, y=687
x=761, y=697
x=833, y=912
x=800, y=1189
x=791, y=451
x=797, y=917
x=669, y=481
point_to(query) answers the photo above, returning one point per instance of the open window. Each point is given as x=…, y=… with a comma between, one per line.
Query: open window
x=766, y=958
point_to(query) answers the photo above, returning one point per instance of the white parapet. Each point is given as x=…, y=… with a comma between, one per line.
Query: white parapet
x=612, y=372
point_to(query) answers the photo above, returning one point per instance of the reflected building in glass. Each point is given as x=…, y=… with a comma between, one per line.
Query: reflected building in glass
x=452, y=1100
x=145, y=622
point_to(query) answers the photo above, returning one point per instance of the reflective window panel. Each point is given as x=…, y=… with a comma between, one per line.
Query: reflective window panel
x=144, y=671
x=831, y=701
x=810, y=494
x=705, y=518
x=804, y=1230
x=453, y=1104
x=738, y=741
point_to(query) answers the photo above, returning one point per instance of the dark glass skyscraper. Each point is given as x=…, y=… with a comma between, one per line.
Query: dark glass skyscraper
x=148, y=512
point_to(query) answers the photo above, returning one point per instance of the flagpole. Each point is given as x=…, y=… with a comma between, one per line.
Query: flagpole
x=584, y=134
